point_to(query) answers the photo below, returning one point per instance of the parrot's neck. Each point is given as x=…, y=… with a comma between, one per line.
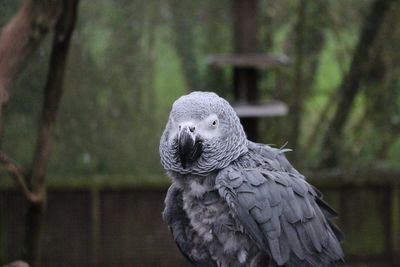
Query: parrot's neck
x=195, y=185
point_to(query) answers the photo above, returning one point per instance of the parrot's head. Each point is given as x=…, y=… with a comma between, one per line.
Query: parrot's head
x=203, y=134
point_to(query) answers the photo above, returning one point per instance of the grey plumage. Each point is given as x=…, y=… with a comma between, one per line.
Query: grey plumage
x=233, y=202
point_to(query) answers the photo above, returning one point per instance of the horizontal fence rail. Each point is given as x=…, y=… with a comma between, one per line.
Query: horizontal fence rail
x=119, y=226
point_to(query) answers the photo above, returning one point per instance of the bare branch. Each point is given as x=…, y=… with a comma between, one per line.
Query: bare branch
x=52, y=94
x=18, y=40
x=18, y=174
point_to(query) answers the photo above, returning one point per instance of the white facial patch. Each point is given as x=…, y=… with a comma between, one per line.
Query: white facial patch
x=206, y=128
x=209, y=127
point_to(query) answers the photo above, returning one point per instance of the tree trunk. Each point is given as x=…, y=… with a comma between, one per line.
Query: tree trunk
x=297, y=96
x=304, y=44
x=351, y=82
x=381, y=85
x=52, y=94
x=33, y=233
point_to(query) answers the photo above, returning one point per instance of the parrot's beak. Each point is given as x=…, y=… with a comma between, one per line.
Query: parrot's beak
x=189, y=147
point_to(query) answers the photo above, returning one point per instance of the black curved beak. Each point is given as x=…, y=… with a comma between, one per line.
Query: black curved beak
x=189, y=147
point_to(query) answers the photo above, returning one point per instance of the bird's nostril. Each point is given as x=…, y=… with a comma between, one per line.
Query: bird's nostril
x=192, y=128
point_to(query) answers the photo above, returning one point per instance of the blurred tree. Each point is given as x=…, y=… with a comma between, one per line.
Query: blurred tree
x=378, y=126
x=183, y=25
x=18, y=39
x=309, y=34
x=303, y=43
x=110, y=103
x=350, y=85
x=298, y=87
x=216, y=21
x=126, y=69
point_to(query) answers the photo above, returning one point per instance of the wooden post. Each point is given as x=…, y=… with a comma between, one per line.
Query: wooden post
x=95, y=225
x=395, y=224
x=245, y=42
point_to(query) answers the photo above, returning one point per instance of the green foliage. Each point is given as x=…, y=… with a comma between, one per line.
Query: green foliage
x=130, y=59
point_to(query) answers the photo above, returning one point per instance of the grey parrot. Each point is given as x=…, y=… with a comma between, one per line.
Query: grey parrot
x=234, y=202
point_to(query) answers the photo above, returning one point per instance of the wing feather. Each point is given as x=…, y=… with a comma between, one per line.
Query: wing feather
x=281, y=212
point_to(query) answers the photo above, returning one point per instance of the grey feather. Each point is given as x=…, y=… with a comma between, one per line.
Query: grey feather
x=291, y=197
x=176, y=218
x=240, y=203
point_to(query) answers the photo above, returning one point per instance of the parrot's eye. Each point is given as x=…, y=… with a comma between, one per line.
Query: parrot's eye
x=214, y=123
x=211, y=122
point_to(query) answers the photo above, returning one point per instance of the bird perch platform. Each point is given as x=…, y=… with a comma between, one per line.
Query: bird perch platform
x=257, y=61
x=269, y=109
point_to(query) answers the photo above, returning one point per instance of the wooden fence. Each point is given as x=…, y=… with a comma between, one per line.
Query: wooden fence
x=122, y=226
